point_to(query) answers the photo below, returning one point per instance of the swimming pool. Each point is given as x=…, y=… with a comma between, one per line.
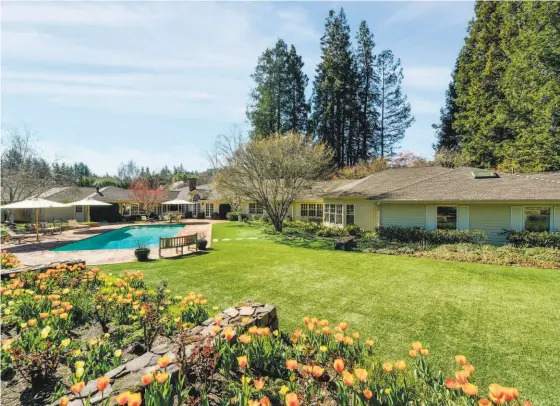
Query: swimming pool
x=126, y=237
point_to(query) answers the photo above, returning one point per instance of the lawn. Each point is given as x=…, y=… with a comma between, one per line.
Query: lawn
x=505, y=320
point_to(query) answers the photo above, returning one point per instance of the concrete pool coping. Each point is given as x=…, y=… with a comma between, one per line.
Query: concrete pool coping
x=36, y=253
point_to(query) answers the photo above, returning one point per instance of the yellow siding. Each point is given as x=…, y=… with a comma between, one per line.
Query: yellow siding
x=295, y=208
x=492, y=219
x=363, y=211
x=403, y=215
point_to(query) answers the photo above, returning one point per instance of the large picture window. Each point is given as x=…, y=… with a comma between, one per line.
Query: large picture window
x=349, y=214
x=537, y=218
x=447, y=218
x=333, y=213
x=311, y=210
x=256, y=208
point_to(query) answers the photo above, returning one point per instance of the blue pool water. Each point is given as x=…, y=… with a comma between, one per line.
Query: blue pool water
x=126, y=237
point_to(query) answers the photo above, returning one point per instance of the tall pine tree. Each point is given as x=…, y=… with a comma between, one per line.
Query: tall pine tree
x=392, y=106
x=447, y=137
x=278, y=99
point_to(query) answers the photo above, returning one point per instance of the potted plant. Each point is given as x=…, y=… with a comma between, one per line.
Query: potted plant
x=142, y=252
x=202, y=242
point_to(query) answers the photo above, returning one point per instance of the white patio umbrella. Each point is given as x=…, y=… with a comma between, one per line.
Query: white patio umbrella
x=89, y=203
x=177, y=202
x=34, y=203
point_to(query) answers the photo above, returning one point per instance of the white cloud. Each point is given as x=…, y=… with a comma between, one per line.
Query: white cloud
x=431, y=78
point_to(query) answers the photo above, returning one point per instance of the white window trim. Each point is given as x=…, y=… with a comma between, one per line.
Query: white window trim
x=208, y=209
x=325, y=212
x=550, y=221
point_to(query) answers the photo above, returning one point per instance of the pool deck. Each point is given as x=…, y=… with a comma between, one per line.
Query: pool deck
x=36, y=253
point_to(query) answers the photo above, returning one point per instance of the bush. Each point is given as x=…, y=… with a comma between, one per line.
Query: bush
x=420, y=235
x=233, y=216
x=215, y=215
x=326, y=231
x=188, y=215
x=354, y=230
x=200, y=215
x=531, y=239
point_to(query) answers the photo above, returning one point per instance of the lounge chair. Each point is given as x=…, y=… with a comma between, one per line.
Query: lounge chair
x=74, y=224
x=144, y=219
x=17, y=236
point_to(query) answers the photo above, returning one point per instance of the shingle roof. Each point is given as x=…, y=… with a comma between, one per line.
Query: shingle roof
x=327, y=187
x=459, y=185
x=67, y=194
x=206, y=192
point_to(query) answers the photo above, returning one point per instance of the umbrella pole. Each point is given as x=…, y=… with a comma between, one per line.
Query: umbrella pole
x=88, y=213
x=37, y=222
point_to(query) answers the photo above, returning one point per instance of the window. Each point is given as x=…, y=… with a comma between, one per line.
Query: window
x=256, y=208
x=79, y=209
x=209, y=209
x=447, y=218
x=196, y=209
x=349, y=214
x=311, y=210
x=134, y=209
x=333, y=213
x=537, y=218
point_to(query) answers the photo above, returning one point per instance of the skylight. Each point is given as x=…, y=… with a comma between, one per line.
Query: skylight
x=484, y=174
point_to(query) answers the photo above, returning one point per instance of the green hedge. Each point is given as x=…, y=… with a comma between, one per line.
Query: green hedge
x=420, y=235
x=533, y=239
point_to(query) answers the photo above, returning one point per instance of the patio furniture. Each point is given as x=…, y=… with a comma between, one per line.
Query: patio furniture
x=18, y=236
x=144, y=219
x=178, y=242
x=74, y=224
x=57, y=225
x=46, y=229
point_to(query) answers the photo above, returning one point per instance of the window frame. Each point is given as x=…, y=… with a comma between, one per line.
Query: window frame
x=550, y=216
x=346, y=215
x=304, y=208
x=256, y=209
x=208, y=209
x=79, y=209
x=333, y=213
x=456, y=216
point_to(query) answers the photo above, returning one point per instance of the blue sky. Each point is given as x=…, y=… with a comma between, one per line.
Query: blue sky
x=104, y=82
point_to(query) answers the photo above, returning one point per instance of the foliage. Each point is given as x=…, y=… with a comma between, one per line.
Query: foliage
x=215, y=215
x=447, y=137
x=147, y=197
x=421, y=235
x=407, y=159
x=9, y=260
x=273, y=171
x=278, y=103
x=533, y=239
x=361, y=170
x=233, y=215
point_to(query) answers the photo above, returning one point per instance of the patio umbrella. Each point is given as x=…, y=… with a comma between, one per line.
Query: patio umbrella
x=34, y=203
x=177, y=202
x=88, y=203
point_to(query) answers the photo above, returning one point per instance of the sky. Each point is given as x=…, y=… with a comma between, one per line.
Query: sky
x=156, y=81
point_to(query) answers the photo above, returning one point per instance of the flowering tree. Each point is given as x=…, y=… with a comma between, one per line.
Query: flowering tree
x=148, y=198
x=407, y=159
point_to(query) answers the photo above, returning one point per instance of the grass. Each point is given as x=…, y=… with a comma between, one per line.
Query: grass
x=506, y=320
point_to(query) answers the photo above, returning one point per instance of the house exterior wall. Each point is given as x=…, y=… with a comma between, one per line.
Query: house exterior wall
x=295, y=208
x=59, y=213
x=364, y=212
x=492, y=219
x=402, y=215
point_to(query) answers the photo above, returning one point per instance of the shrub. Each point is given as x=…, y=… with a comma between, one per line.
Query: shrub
x=215, y=215
x=533, y=239
x=9, y=260
x=233, y=216
x=188, y=215
x=353, y=229
x=326, y=231
x=200, y=215
x=418, y=234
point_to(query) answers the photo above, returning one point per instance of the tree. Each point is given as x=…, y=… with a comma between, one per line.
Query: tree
x=273, y=171
x=147, y=197
x=367, y=94
x=407, y=159
x=447, y=137
x=24, y=172
x=128, y=172
x=278, y=99
x=393, y=108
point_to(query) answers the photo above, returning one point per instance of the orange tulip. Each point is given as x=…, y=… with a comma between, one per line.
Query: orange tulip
x=387, y=367
x=147, y=379
x=361, y=374
x=343, y=326
x=452, y=384
x=32, y=322
x=164, y=361
x=470, y=389
x=162, y=377
x=135, y=399
x=483, y=402
x=511, y=394
x=338, y=365
x=292, y=399
x=245, y=339
x=368, y=394
x=356, y=335
x=468, y=368
x=102, y=383
x=259, y=383
x=413, y=353
x=417, y=345
x=462, y=376
x=216, y=329
x=242, y=361
x=400, y=365
x=496, y=393
x=369, y=343
x=339, y=337
x=527, y=403
x=265, y=401
x=424, y=352
x=77, y=387
x=348, y=379
x=326, y=331
x=43, y=315
x=229, y=333
x=64, y=401
x=461, y=359
x=318, y=371
x=291, y=364
x=324, y=323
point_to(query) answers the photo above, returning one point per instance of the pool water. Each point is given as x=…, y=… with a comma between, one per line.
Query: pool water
x=126, y=237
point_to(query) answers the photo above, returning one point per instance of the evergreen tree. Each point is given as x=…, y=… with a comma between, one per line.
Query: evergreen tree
x=392, y=106
x=278, y=99
x=447, y=138
x=367, y=92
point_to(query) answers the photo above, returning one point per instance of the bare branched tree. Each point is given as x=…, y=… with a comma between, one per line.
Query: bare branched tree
x=273, y=171
x=24, y=172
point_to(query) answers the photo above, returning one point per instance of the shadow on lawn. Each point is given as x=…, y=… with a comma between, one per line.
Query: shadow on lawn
x=304, y=241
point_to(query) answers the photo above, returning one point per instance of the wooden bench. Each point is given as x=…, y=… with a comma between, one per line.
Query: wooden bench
x=178, y=242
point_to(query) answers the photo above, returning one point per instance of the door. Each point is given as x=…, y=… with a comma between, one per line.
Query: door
x=223, y=210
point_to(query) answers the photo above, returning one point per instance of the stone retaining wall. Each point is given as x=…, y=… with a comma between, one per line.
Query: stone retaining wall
x=39, y=268
x=126, y=377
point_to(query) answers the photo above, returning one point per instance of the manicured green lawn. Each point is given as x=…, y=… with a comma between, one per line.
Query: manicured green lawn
x=505, y=320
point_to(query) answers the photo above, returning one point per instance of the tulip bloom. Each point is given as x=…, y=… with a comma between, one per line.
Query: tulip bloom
x=323, y=348
x=64, y=401
x=387, y=367
x=368, y=394
x=265, y=401
x=318, y=371
x=361, y=374
x=400, y=365
x=470, y=389
x=369, y=343
x=245, y=339
x=417, y=345
x=32, y=322
x=348, y=379
x=259, y=383
x=292, y=399
x=338, y=365
x=291, y=364
x=424, y=351
x=484, y=402
x=343, y=326
x=135, y=399
x=242, y=361
x=229, y=333
x=462, y=376
x=164, y=361
x=102, y=383
x=77, y=387
x=461, y=359
x=413, y=353
x=468, y=368
x=147, y=379
x=452, y=384
x=118, y=353
x=162, y=377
